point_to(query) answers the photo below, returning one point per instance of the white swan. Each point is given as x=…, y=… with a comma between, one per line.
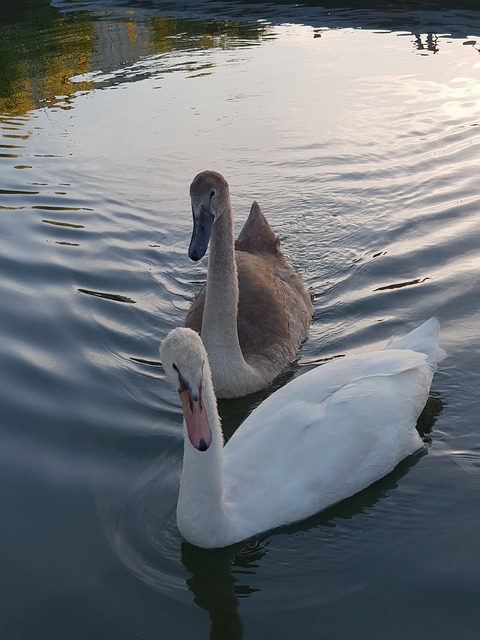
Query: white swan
x=321, y=438
x=255, y=310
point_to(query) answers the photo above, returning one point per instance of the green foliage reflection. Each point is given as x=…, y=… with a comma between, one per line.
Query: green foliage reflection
x=46, y=57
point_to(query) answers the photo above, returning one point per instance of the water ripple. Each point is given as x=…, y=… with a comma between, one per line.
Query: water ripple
x=362, y=149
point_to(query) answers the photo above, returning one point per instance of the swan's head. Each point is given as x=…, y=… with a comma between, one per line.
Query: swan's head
x=185, y=362
x=209, y=195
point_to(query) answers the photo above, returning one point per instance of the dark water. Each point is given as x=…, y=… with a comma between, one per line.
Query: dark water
x=357, y=130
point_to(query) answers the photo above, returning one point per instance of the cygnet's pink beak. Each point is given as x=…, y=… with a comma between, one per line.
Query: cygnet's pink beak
x=196, y=419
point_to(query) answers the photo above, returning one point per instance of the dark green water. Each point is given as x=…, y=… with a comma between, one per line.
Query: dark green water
x=357, y=130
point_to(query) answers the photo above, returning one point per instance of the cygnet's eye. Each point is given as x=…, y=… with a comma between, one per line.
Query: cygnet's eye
x=175, y=367
x=212, y=193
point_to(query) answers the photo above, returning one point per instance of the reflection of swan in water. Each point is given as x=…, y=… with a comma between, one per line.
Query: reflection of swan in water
x=142, y=532
x=216, y=588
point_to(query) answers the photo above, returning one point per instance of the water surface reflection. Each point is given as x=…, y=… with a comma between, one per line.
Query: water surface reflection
x=101, y=44
x=357, y=131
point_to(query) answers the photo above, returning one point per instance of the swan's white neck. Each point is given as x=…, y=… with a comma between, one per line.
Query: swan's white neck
x=201, y=514
x=219, y=324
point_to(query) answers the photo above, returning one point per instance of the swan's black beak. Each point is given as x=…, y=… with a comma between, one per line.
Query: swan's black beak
x=202, y=228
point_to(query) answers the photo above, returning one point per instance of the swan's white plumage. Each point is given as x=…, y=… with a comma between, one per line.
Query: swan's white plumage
x=323, y=437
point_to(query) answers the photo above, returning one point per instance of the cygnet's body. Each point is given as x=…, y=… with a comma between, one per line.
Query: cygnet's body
x=254, y=311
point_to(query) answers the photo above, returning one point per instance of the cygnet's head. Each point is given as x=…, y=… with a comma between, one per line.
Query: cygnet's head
x=209, y=194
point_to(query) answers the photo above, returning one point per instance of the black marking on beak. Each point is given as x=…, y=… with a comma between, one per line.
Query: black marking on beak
x=202, y=445
x=183, y=385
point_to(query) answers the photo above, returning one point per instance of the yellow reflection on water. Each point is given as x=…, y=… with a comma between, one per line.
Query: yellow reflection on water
x=50, y=65
x=38, y=66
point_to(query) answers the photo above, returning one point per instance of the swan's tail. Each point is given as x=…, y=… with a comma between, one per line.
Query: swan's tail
x=423, y=339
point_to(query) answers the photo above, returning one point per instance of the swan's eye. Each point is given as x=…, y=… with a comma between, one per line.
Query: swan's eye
x=212, y=193
x=183, y=385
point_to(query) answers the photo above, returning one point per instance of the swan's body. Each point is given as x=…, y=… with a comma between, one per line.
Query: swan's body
x=254, y=311
x=321, y=438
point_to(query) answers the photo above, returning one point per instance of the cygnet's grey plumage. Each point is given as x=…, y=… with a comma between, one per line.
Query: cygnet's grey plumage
x=254, y=311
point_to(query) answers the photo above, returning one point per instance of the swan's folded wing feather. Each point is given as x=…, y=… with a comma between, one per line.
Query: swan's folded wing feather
x=311, y=455
x=315, y=386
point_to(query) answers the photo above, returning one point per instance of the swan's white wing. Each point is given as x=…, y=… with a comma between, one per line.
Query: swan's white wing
x=325, y=436
x=317, y=385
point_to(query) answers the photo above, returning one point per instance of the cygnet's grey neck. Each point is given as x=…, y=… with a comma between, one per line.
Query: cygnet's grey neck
x=219, y=325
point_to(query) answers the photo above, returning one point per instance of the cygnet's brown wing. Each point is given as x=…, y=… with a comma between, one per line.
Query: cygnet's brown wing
x=274, y=310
